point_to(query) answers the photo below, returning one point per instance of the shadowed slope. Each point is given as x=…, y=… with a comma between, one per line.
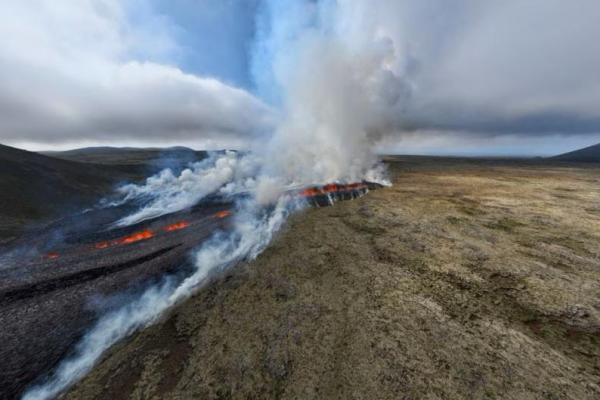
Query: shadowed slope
x=587, y=154
x=151, y=157
x=35, y=187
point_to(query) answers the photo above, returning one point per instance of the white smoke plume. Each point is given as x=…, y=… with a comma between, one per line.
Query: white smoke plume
x=342, y=84
x=338, y=96
x=166, y=193
x=341, y=80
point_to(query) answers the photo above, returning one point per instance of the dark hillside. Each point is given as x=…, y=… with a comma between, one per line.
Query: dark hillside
x=153, y=158
x=587, y=154
x=35, y=187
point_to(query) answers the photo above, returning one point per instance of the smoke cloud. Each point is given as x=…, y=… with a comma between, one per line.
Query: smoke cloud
x=145, y=71
x=338, y=94
x=165, y=193
x=465, y=70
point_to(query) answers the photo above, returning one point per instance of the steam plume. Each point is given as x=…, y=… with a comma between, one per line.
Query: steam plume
x=335, y=100
x=166, y=193
x=338, y=93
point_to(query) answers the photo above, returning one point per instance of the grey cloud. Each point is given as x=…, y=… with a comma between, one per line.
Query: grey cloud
x=527, y=67
x=490, y=67
x=511, y=67
x=69, y=74
x=85, y=71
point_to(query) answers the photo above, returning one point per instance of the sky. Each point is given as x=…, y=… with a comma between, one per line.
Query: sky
x=513, y=77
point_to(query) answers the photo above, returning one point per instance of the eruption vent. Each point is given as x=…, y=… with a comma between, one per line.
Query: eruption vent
x=326, y=195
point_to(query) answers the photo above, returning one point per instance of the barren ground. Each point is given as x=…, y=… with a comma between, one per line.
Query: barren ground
x=466, y=279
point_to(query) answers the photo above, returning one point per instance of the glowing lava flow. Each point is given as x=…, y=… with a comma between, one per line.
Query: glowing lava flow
x=333, y=188
x=102, y=245
x=317, y=195
x=310, y=192
x=149, y=233
x=176, y=226
x=52, y=256
x=223, y=214
x=136, y=237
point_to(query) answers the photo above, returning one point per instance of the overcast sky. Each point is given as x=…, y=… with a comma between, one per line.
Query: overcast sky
x=479, y=77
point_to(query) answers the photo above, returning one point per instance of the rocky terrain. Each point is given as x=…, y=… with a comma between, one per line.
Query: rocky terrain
x=466, y=279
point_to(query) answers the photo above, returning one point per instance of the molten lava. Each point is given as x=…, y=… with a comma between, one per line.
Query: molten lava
x=223, y=214
x=136, y=237
x=176, y=226
x=310, y=192
x=52, y=256
x=332, y=188
x=102, y=245
x=149, y=233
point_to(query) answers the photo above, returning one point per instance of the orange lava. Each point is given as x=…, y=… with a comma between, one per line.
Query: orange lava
x=149, y=233
x=310, y=192
x=136, y=237
x=223, y=214
x=331, y=188
x=176, y=226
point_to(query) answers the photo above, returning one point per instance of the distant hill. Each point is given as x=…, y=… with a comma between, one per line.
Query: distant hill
x=39, y=186
x=587, y=154
x=158, y=157
x=35, y=187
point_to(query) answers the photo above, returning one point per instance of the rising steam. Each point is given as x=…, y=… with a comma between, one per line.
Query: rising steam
x=342, y=86
x=335, y=100
x=164, y=193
